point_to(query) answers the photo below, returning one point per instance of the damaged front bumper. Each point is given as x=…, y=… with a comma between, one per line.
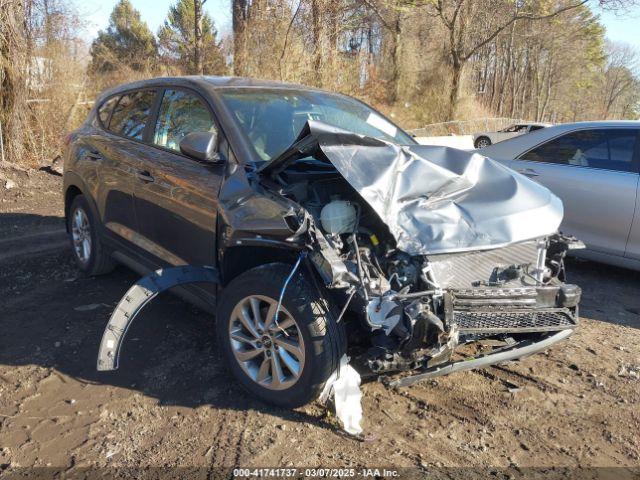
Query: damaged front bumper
x=512, y=310
x=507, y=353
x=528, y=316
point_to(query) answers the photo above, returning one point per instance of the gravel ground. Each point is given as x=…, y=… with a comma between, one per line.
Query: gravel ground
x=571, y=411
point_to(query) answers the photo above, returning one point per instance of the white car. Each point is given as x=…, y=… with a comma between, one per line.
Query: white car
x=484, y=139
x=594, y=167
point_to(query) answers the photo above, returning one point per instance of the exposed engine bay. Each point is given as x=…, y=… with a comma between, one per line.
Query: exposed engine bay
x=418, y=308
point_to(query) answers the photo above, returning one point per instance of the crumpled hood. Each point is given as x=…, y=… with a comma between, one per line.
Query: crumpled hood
x=433, y=199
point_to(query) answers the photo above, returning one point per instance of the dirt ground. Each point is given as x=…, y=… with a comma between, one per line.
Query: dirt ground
x=172, y=404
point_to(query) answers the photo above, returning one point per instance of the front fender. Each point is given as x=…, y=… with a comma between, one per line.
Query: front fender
x=136, y=298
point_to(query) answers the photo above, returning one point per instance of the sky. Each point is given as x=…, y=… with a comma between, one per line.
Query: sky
x=623, y=27
x=154, y=12
x=620, y=27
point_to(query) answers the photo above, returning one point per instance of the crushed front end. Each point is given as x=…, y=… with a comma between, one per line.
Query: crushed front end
x=427, y=252
x=418, y=312
x=511, y=297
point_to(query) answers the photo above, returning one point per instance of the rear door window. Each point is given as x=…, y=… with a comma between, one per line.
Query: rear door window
x=610, y=149
x=180, y=113
x=131, y=114
x=104, y=112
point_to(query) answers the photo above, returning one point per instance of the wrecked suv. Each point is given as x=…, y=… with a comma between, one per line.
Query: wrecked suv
x=315, y=229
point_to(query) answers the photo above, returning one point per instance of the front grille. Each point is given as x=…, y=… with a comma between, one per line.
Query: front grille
x=527, y=321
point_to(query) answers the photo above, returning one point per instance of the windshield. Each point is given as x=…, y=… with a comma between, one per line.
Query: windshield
x=272, y=119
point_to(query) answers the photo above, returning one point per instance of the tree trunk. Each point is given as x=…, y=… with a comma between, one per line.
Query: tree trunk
x=317, y=42
x=239, y=21
x=394, y=69
x=398, y=57
x=198, y=64
x=14, y=58
x=454, y=94
x=332, y=9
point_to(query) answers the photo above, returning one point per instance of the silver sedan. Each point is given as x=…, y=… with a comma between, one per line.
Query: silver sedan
x=484, y=139
x=594, y=168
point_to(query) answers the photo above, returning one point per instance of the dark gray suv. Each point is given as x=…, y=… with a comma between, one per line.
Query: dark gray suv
x=323, y=221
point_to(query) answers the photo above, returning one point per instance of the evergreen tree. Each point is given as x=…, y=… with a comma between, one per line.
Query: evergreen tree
x=127, y=41
x=178, y=40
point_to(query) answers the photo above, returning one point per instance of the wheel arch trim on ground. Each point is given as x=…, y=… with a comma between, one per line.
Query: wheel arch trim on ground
x=136, y=298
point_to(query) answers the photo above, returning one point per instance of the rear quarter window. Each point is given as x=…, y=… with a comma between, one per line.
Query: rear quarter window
x=104, y=112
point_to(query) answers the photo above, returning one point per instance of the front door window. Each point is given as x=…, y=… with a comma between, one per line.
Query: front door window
x=180, y=113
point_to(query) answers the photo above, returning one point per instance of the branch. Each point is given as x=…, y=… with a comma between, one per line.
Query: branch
x=286, y=37
x=377, y=13
x=456, y=12
x=516, y=18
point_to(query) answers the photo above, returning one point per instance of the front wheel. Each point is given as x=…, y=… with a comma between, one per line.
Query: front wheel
x=284, y=361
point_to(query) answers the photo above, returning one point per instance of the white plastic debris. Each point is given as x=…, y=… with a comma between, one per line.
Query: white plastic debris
x=344, y=384
x=380, y=312
x=629, y=371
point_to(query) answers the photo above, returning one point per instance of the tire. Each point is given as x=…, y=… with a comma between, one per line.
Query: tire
x=98, y=261
x=482, y=142
x=323, y=340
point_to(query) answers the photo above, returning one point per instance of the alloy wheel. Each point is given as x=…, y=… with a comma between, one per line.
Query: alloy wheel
x=270, y=352
x=81, y=235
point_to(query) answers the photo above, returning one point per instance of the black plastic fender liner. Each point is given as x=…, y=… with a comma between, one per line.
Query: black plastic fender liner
x=139, y=295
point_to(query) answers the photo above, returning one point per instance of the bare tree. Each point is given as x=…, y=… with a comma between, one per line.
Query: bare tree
x=472, y=24
x=389, y=12
x=239, y=16
x=197, y=13
x=619, y=79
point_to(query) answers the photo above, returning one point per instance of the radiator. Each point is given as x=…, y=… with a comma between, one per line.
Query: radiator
x=461, y=270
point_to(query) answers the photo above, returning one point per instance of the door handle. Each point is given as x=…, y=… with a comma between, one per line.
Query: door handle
x=529, y=172
x=93, y=155
x=145, y=176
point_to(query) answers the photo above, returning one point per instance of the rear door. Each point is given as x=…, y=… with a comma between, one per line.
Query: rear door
x=595, y=173
x=116, y=151
x=176, y=196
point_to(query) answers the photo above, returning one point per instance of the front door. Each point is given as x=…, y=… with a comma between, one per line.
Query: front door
x=176, y=196
x=595, y=174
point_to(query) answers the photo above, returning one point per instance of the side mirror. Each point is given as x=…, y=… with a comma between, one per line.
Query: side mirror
x=201, y=146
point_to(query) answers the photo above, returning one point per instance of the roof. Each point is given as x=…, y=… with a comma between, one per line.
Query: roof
x=251, y=82
x=600, y=123
x=205, y=81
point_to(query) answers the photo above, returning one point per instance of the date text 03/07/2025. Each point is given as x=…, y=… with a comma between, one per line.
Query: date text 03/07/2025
x=241, y=473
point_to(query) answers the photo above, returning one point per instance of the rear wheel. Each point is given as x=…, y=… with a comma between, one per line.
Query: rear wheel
x=284, y=361
x=88, y=251
x=482, y=142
